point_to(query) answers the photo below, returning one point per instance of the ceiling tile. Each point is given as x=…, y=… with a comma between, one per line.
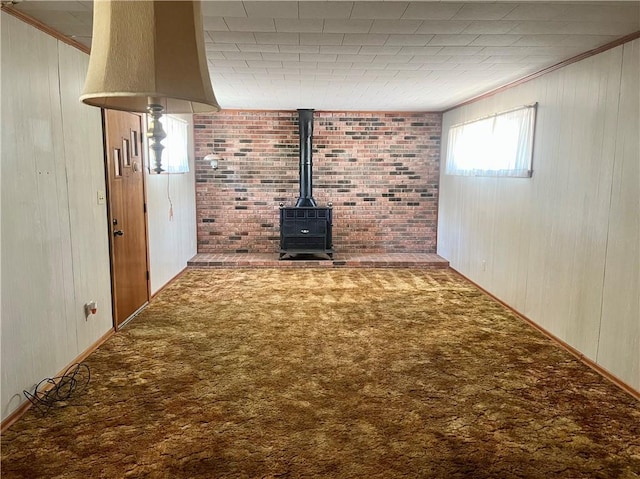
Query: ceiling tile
x=378, y=10
x=453, y=40
x=438, y=66
x=232, y=37
x=252, y=47
x=223, y=9
x=485, y=11
x=229, y=63
x=380, y=50
x=392, y=58
x=347, y=26
x=496, y=40
x=350, y=49
x=321, y=38
x=215, y=56
x=419, y=55
x=395, y=26
x=271, y=9
x=504, y=59
x=214, y=24
x=408, y=40
x=404, y=66
x=467, y=51
x=620, y=12
x=278, y=38
x=427, y=59
x=282, y=71
x=589, y=41
x=318, y=57
x=600, y=28
x=324, y=9
x=281, y=57
x=263, y=64
x=241, y=55
x=294, y=25
x=250, y=24
x=431, y=10
x=420, y=50
x=541, y=59
x=300, y=65
x=538, y=27
x=356, y=58
x=221, y=47
x=334, y=66
x=466, y=59
x=433, y=27
x=299, y=48
x=368, y=66
x=364, y=39
x=491, y=27
x=85, y=17
x=540, y=40
x=526, y=51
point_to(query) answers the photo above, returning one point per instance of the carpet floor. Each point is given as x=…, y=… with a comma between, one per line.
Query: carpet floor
x=331, y=373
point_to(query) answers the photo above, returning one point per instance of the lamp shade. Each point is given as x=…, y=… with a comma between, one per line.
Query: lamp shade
x=148, y=52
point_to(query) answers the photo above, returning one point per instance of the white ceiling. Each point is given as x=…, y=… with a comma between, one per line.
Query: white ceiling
x=377, y=55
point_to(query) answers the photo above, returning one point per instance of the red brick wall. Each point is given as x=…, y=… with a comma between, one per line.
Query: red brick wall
x=380, y=171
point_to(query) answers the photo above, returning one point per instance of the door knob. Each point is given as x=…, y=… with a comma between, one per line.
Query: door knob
x=118, y=233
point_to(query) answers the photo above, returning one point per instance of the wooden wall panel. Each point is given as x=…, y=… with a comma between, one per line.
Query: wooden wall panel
x=620, y=330
x=84, y=166
x=541, y=244
x=46, y=231
x=35, y=274
x=172, y=240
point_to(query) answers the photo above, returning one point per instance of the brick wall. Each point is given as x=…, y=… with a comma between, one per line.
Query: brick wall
x=380, y=171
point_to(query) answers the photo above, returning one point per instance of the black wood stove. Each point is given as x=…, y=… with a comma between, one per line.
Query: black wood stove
x=306, y=228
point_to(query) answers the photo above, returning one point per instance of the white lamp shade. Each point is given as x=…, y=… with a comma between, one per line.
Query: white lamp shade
x=148, y=52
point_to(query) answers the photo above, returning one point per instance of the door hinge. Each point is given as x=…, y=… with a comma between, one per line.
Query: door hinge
x=144, y=207
x=148, y=276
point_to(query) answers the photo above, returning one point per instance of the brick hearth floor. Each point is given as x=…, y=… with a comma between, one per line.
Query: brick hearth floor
x=349, y=260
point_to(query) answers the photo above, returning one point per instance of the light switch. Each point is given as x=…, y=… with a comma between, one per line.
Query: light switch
x=102, y=197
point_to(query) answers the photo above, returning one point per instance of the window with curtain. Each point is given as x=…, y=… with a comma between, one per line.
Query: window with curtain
x=497, y=145
x=175, y=156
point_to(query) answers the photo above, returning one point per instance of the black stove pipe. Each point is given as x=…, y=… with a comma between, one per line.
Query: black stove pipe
x=305, y=127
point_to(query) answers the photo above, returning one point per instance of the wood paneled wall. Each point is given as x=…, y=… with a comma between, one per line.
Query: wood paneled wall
x=55, y=254
x=172, y=239
x=562, y=247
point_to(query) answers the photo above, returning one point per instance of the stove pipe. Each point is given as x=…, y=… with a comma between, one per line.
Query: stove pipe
x=305, y=126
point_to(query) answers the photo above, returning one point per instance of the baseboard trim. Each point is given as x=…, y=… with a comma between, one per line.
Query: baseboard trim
x=573, y=351
x=25, y=406
x=169, y=282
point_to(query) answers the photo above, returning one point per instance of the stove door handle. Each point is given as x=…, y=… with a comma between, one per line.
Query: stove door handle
x=304, y=232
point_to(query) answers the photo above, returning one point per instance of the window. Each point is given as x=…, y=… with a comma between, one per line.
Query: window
x=175, y=156
x=498, y=145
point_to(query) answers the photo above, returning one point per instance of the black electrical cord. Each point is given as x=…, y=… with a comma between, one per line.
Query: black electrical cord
x=50, y=391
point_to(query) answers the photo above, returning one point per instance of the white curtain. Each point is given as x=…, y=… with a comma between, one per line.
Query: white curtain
x=499, y=145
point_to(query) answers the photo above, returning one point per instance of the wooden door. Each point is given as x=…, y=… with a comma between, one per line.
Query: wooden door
x=127, y=213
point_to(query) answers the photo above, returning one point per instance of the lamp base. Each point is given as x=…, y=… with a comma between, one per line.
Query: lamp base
x=156, y=134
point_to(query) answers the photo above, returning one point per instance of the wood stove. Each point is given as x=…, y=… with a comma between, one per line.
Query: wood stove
x=306, y=228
